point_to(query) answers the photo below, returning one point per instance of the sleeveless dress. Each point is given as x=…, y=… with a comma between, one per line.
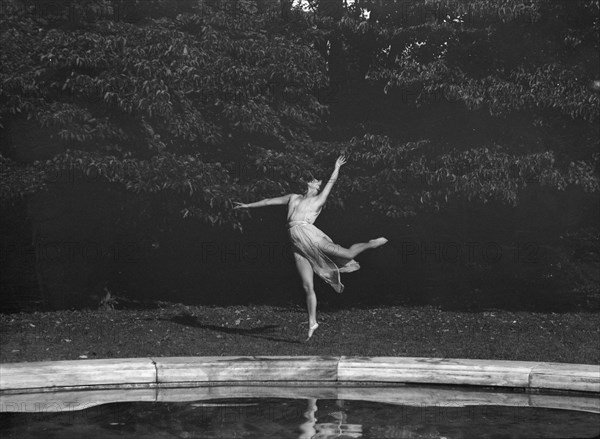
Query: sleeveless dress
x=307, y=240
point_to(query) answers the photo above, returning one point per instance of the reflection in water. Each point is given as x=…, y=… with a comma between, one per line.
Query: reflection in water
x=284, y=418
x=307, y=428
x=311, y=429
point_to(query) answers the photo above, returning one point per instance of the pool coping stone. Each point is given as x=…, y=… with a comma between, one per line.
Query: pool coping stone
x=166, y=371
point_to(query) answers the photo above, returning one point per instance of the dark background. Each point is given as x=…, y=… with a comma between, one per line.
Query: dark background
x=69, y=236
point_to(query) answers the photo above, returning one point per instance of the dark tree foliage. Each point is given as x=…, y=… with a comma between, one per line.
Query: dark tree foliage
x=494, y=96
x=469, y=100
x=164, y=103
x=182, y=107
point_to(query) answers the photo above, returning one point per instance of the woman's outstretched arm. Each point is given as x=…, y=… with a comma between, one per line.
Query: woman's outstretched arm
x=322, y=197
x=266, y=202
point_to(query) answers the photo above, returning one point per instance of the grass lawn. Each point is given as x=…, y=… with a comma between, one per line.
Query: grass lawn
x=180, y=330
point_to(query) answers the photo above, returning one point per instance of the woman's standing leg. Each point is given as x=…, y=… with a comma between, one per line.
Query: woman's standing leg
x=306, y=274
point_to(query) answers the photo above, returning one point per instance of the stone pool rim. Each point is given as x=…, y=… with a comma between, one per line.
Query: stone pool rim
x=279, y=370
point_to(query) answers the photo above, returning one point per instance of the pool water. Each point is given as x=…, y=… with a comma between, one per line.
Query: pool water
x=299, y=418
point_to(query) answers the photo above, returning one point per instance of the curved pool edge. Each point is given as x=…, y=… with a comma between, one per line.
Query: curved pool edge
x=172, y=371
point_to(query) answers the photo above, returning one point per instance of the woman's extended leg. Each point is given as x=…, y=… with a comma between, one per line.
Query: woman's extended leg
x=337, y=251
x=307, y=275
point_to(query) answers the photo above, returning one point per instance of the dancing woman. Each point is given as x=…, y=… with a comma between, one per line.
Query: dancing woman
x=313, y=250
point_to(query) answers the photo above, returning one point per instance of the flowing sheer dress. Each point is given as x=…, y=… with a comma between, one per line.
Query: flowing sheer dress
x=312, y=243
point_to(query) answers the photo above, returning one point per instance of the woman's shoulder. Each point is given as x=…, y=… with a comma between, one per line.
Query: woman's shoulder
x=292, y=197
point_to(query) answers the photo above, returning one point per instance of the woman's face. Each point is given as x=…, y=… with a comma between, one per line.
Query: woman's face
x=314, y=184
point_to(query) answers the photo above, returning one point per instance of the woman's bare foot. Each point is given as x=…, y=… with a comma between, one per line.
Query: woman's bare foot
x=311, y=330
x=378, y=242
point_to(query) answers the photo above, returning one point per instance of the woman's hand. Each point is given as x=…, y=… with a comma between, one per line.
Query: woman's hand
x=240, y=205
x=340, y=161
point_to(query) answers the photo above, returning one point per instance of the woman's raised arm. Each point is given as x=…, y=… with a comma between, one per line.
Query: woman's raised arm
x=322, y=197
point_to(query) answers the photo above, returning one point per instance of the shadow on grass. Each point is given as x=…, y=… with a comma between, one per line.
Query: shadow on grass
x=263, y=332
